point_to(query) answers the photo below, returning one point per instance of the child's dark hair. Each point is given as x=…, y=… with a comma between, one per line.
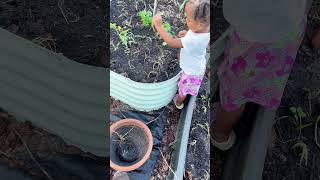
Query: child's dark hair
x=202, y=10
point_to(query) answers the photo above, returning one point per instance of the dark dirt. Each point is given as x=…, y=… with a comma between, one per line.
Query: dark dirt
x=128, y=152
x=80, y=36
x=17, y=138
x=283, y=161
x=162, y=168
x=218, y=27
x=147, y=60
x=197, y=162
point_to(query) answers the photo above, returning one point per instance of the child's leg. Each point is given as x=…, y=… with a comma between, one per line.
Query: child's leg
x=180, y=100
x=316, y=39
x=224, y=123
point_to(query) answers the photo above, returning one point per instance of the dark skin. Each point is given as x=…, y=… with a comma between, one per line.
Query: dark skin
x=316, y=39
x=225, y=122
x=195, y=26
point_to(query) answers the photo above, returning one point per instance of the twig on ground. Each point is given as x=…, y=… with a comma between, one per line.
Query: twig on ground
x=31, y=155
x=309, y=98
x=157, y=116
x=154, y=12
x=167, y=164
x=60, y=5
x=122, y=113
x=316, y=132
x=5, y=154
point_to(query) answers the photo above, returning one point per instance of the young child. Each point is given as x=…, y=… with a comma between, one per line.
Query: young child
x=259, y=56
x=193, y=44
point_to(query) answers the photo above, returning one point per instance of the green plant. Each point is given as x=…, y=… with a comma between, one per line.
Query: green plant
x=146, y=18
x=125, y=36
x=298, y=113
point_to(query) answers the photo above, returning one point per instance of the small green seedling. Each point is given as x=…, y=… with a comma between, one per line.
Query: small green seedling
x=125, y=36
x=298, y=113
x=146, y=18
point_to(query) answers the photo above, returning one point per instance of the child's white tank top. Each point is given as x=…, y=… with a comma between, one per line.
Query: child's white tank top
x=192, y=55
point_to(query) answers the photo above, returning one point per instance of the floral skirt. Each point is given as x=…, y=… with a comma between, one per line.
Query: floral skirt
x=256, y=72
x=189, y=84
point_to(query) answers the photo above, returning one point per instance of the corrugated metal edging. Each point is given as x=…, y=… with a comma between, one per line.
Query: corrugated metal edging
x=247, y=157
x=178, y=156
x=54, y=93
x=143, y=96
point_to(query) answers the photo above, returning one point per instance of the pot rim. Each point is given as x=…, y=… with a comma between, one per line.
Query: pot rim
x=133, y=122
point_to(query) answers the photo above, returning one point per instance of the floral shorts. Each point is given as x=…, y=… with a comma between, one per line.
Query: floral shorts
x=256, y=72
x=189, y=84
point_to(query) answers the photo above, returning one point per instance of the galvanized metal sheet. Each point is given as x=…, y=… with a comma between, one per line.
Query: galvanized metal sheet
x=66, y=98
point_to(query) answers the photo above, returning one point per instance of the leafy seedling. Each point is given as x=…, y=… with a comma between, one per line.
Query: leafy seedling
x=125, y=36
x=298, y=113
x=146, y=18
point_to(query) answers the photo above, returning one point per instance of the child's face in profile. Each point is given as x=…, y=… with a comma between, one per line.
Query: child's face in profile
x=191, y=23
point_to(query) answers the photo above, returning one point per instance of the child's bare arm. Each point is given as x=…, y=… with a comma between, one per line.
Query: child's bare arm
x=171, y=41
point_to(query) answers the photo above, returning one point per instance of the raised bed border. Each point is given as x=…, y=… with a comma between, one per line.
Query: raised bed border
x=59, y=95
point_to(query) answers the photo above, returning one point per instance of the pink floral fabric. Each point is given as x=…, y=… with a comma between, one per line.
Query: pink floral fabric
x=189, y=84
x=256, y=72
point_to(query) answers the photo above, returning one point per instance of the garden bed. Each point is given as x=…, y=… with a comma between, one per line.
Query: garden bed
x=75, y=28
x=141, y=54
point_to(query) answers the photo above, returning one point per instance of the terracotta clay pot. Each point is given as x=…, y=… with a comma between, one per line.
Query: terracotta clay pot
x=146, y=130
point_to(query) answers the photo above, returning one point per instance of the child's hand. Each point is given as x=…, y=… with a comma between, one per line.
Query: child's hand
x=157, y=20
x=182, y=33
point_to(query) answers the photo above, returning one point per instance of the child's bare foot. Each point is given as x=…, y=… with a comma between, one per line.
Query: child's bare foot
x=223, y=141
x=316, y=39
x=178, y=101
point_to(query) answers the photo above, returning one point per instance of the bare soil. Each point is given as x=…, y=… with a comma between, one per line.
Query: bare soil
x=146, y=59
x=75, y=28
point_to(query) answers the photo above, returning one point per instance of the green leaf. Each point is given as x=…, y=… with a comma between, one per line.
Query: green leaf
x=293, y=109
x=301, y=113
x=146, y=18
x=113, y=26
